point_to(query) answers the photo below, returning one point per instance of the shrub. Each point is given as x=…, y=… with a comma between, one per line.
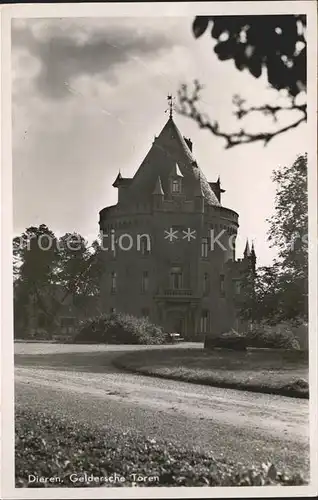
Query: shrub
x=117, y=328
x=280, y=336
x=229, y=340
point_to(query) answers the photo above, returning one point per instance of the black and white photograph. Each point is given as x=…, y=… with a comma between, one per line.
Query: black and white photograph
x=159, y=250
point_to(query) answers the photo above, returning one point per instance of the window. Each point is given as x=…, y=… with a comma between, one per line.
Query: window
x=204, y=247
x=222, y=283
x=176, y=278
x=145, y=281
x=204, y=322
x=206, y=284
x=176, y=186
x=143, y=244
x=113, y=288
x=145, y=312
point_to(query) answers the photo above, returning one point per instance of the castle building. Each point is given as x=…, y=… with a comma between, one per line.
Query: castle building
x=170, y=244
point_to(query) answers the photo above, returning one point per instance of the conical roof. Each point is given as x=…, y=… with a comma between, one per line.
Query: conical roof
x=169, y=149
x=158, y=187
x=247, y=251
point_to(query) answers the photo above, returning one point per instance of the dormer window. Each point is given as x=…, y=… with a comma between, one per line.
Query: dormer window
x=176, y=185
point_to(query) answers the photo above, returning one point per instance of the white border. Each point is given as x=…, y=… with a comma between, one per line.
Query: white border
x=7, y=382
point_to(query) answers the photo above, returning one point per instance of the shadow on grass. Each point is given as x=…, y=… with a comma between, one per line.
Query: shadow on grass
x=94, y=362
x=281, y=372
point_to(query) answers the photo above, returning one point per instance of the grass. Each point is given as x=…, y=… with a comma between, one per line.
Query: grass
x=268, y=371
x=65, y=450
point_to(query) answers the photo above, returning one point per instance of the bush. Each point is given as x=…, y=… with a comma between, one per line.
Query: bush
x=280, y=336
x=117, y=328
x=229, y=340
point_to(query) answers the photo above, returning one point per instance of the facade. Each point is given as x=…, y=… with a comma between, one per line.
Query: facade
x=170, y=244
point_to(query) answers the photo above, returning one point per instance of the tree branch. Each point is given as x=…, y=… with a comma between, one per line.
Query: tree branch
x=188, y=107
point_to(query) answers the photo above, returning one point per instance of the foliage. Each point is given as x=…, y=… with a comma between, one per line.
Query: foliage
x=35, y=255
x=275, y=44
x=32, y=264
x=51, y=447
x=47, y=270
x=117, y=328
x=280, y=336
x=289, y=224
x=280, y=291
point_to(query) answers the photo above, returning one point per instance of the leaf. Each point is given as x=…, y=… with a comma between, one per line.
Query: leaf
x=199, y=25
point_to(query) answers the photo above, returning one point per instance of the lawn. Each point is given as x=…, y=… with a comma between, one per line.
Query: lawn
x=260, y=370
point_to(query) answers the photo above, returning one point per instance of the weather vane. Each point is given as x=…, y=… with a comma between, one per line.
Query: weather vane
x=170, y=100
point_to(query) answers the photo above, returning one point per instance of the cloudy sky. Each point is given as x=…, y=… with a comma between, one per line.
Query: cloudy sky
x=89, y=94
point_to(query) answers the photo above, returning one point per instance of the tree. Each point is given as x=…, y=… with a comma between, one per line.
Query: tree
x=275, y=44
x=48, y=270
x=281, y=290
x=74, y=254
x=289, y=233
x=35, y=259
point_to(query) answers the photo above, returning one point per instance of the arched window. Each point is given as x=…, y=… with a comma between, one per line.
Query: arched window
x=144, y=244
x=176, y=186
x=176, y=278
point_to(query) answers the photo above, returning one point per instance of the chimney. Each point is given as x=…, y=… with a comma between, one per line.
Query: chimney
x=188, y=142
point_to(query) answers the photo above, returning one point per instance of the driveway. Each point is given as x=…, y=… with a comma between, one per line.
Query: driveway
x=80, y=381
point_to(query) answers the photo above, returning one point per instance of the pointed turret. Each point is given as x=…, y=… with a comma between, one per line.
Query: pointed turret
x=247, y=251
x=158, y=187
x=216, y=188
x=158, y=195
x=253, y=257
x=117, y=180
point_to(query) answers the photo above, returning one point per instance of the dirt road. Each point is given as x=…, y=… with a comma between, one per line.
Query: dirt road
x=235, y=425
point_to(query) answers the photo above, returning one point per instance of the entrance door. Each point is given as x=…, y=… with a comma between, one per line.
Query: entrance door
x=175, y=320
x=179, y=326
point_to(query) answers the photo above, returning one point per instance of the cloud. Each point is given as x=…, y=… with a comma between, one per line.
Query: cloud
x=66, y=54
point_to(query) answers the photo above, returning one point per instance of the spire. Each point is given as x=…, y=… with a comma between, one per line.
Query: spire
x=253, y=249
x=247, y=251
x=158, y=187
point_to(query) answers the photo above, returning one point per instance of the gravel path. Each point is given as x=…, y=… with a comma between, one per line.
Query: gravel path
x=235, y=425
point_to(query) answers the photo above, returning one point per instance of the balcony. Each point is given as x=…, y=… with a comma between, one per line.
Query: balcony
x=180, y=295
